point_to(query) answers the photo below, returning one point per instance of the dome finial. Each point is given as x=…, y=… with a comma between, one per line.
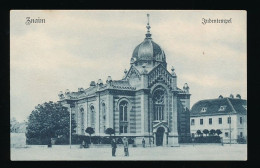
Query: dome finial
x=148, y=35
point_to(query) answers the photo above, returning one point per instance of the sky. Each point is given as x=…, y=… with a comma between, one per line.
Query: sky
x=73, y=48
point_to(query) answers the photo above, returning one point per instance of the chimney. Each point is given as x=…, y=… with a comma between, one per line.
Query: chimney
x=238, y=96
x=92, y=83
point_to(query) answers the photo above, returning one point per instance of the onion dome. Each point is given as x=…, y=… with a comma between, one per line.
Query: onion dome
x=148, y=51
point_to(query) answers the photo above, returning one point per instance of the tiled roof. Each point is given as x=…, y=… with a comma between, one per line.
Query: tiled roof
x=90, y=90
x=122, y=84
x=219, y=106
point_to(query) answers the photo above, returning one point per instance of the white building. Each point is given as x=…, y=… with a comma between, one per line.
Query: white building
x=226, y=114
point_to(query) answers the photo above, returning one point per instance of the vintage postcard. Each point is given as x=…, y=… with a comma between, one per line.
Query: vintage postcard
x=128, y=85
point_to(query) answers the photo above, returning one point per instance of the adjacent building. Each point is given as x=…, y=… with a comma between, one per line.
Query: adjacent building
x=228, y=114
x=145, y=103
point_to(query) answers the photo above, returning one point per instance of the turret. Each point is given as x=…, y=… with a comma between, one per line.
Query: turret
x=174, y=78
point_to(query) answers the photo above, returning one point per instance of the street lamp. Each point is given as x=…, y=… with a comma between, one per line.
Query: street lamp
x=229, y=121
x=71, y=106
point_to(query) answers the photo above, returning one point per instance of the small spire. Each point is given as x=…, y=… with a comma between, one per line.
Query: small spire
x=148, y=35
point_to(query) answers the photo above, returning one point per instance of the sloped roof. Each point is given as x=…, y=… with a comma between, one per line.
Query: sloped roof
x=122, y=84
x=90, y=90
x=213, y=107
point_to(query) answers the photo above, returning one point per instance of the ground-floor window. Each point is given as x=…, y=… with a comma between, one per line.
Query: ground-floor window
x=123, y=129
x=226, y=134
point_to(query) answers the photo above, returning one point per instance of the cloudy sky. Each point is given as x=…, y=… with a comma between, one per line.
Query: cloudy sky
x=73, y=48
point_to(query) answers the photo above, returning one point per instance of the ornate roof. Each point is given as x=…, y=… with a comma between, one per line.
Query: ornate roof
x=148, y=50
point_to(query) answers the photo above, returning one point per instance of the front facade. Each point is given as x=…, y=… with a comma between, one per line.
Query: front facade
x=226, y=114
x=145, y=103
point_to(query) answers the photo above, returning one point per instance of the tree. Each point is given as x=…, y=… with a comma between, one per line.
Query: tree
x=110, y=131
x=14, y=125
x=49, y=120
x=212, y=132
x=206, y=131
x=218, y=132
x=90, y=131
x=198, y=132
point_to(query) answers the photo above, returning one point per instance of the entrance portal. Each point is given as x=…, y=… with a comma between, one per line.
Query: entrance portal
x=159, y=136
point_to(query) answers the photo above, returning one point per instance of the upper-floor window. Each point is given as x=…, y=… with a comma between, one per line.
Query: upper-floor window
x=210, y=121
x=192, y=122
x=229, y=120
x=220, y=120
x=103, y=116
x=241, y=120
x=201, y=121
x=158, y=101
x=93, y=116
x=123, y=110
x=203, y=109
x=82, y=120
x=222, y=108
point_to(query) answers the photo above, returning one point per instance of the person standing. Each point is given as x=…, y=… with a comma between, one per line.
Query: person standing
x=143, y=142
x=125, y=141
x=114, y=146
x=83, y=144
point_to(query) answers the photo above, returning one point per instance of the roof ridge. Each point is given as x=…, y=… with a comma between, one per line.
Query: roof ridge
x=231, y=105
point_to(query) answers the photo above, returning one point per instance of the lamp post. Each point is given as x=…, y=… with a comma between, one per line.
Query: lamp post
x=71, y=106
x=70, y=128
x=229, y=121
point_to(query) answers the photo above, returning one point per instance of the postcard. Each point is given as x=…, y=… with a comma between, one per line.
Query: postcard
x=128, y=85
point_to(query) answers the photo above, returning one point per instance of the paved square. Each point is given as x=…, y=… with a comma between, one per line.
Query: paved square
x=184, y=152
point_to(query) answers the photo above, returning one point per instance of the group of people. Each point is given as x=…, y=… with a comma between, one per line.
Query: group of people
x=125, y=143
x=114, y=146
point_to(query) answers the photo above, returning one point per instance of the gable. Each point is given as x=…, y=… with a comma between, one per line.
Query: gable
x=159, y=74
x=133, y=73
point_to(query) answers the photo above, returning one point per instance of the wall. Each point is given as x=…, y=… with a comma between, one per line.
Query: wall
x=224, y=127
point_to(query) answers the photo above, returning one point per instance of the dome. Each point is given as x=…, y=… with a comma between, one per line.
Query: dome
x=148, y=50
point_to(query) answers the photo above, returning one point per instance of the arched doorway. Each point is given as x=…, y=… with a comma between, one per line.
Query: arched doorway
x=159, y=136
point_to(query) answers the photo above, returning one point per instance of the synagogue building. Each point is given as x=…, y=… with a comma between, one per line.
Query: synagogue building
x=145, y=103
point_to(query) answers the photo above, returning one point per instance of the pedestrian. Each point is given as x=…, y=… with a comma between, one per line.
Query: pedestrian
x=114, y=146
x=83, y=144
x=125, y=141
x=143, y=142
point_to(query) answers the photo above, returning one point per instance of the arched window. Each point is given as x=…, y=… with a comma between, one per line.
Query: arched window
x=123, y=107
x=82, y=120
x=158, y=104
x=92, y=113
x=123, y=110
x=103, y=107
